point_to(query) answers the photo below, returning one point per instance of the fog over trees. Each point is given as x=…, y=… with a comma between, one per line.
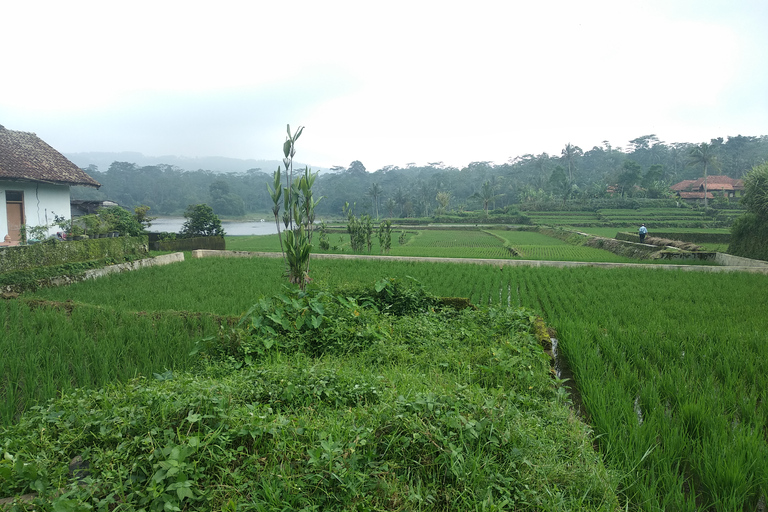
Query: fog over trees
x=645, y=167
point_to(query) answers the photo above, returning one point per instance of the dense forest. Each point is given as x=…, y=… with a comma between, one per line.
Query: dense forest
x=645, y=168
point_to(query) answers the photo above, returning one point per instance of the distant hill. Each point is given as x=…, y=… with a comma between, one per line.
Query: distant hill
x=102, y=160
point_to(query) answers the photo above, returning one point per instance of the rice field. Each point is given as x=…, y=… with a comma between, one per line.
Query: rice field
x=671, y=365
x=626, y=218
x=454, y=243
x=531, y=245
x=48, y=349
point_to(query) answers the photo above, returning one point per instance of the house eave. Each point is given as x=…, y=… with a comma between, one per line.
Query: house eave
x=47, y=182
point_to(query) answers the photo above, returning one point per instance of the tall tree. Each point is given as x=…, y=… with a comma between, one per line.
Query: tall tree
x=375, y=192
x=704, y=155
x=630, y=175
x=559, y=184
x=486, y=195
x=569, y=155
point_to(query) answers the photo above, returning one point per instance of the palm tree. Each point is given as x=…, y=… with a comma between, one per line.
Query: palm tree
x=401, y=198
x=375, y=193
x=569, y=154
x=703, y=154
x=486, y=195
x=391, y=205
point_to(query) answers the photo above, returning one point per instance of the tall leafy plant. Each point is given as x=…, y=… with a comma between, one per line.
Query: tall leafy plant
x=298, y=212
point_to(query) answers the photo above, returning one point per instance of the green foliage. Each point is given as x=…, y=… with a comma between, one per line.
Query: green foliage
x=385, y=236
x=116, y=218
x=749, y=234
x=486, y=195
x=360, y=230
x=749, y=237
x=298, y=215
x=140, y=213
x=41, y=255
x=201, y=221
x=31, y=234
x=312, y=322
x=397, y=296
x=31, y=279
x=323, y=242
x=53, y=347
x=755, y=196
x=442, y=411
x=686, y=347
x=214, y=243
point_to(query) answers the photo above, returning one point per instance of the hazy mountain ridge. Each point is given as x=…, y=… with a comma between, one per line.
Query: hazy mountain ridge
x=222, y=164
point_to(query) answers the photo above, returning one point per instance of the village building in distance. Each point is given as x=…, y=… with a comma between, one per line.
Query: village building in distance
x=35, y=182
x=717, y=186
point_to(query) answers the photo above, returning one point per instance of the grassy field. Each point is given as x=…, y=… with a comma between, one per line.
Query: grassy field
x=671, y=367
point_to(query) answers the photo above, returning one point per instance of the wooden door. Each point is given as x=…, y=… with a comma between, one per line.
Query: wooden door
x=14, y=210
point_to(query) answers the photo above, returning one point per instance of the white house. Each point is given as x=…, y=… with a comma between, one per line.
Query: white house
x=34, y=183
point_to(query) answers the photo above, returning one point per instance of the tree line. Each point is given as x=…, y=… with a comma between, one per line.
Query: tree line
x=645, y=167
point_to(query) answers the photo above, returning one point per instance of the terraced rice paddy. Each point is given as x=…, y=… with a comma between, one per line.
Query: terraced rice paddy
x=457, y=243
x=659, y=217
x=672, y=366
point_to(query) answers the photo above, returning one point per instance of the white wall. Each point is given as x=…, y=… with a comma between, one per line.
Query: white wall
x=41, y=200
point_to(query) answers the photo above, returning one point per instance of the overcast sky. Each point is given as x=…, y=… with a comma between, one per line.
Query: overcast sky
x=383, y=82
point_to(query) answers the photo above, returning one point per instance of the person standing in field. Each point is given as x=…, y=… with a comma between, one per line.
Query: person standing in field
x=643, y=231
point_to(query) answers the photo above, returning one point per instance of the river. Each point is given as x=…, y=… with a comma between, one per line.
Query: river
x=173, y=225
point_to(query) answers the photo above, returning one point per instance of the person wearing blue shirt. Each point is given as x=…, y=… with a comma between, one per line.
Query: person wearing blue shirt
x=643, y=231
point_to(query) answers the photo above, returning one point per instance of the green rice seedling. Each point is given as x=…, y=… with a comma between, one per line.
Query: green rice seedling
x=680, y=347
x=448, y=410
x=50, y=349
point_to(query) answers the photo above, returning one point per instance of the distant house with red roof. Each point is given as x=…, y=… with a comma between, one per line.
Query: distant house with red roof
x=34, y=182
x=717, y=186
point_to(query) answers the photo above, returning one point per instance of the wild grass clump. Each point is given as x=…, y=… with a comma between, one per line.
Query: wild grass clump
x=440, y=410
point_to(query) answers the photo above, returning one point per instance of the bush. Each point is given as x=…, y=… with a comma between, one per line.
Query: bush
x=117, y=218
x=749, y=237
x=749, y=233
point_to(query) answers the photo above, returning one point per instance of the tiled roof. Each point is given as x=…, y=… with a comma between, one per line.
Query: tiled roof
x=713, y=183
x=717, y=186
x=695, y=195
x=683, y=185
x=26, y=157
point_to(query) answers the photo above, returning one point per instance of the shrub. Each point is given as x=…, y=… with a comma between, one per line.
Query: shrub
x=116, y=218
x=201, y=221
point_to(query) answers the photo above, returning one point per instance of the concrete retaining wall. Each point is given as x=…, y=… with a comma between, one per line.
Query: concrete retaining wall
x=731, y=260
x=164, y=259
